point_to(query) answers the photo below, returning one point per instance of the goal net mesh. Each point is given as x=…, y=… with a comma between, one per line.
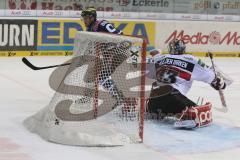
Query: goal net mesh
x=99, y=100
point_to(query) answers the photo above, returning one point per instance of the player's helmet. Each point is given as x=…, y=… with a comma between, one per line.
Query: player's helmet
x=90, y=11
x=176, y=47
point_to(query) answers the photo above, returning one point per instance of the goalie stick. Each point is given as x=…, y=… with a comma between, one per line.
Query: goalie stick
x=30, y=65
x=220, y=91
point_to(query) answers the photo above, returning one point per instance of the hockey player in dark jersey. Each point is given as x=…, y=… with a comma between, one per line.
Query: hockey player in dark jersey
x=174, y=74
x=110, y=59
x=89, y=16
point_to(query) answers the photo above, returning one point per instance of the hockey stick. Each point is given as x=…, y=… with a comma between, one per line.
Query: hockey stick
x=220, y=91
x=30, y=65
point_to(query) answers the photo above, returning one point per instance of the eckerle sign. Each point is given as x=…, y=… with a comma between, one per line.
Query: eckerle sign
x=160, y=3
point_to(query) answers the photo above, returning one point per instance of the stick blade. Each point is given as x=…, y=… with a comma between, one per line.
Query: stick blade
x=26, y=62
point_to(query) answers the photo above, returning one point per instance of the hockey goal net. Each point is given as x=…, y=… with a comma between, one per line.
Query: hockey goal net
x=100, y=99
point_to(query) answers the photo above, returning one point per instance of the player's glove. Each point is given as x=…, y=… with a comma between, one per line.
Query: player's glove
x=218, y=83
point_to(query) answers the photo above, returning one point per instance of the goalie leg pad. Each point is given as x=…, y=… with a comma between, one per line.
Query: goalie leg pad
x=202, y=115
x=167, y=101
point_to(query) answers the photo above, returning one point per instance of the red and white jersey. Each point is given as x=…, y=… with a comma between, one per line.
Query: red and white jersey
x=188, y=67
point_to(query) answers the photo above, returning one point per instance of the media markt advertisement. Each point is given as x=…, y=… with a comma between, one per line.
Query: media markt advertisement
x=55, y=37
x=218, y=37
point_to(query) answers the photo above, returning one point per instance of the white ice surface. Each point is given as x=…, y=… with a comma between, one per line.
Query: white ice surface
x=23, y=92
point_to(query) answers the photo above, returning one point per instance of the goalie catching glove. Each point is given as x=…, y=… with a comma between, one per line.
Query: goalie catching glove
x=218, y=83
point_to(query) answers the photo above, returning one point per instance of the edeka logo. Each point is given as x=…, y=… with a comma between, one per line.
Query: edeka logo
x=200, y=38
x=59, y=35
x=18, y=35
x=145, y=29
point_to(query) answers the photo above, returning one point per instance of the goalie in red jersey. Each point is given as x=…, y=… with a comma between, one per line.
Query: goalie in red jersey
x=174, y=74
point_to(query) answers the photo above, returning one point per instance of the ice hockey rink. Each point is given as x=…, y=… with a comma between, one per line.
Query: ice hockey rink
x=23, y=92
